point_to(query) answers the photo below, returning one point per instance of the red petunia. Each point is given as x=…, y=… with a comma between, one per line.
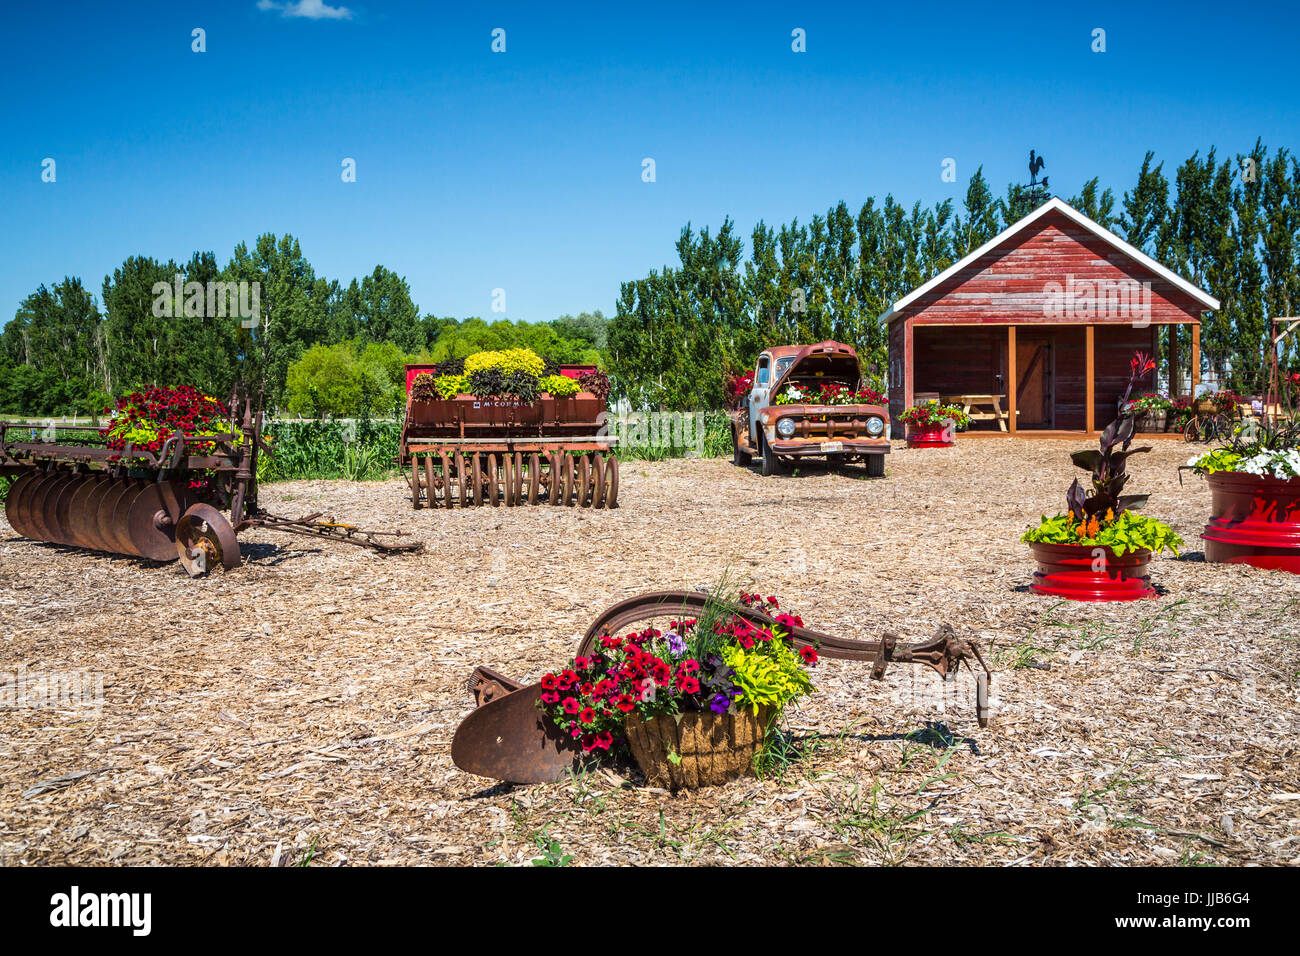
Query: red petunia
x=688, y=685
x=571, y=705
x=625, y=703
x=588, y=716
x=549, y=682
x=690, y=665
x=809, y=656
x=550, y=697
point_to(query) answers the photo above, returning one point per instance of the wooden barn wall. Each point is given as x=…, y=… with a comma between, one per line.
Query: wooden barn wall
x=958, y=360
x=1113, y=350
x=1006, y=284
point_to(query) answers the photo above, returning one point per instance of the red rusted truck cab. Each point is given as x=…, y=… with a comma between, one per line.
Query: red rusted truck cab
x=781, y=418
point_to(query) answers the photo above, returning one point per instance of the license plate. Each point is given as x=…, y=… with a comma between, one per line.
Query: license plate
x=832, y=446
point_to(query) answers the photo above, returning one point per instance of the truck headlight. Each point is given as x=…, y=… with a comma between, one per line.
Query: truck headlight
x=785, y=428
x=875, y=426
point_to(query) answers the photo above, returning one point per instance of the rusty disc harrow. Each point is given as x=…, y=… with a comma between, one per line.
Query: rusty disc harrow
x=91, y=509
x=446, y=479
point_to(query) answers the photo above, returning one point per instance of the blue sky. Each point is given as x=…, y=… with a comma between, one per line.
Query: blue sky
x=522, y=170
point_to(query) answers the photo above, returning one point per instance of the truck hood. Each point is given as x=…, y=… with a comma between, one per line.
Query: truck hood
x=835, y=362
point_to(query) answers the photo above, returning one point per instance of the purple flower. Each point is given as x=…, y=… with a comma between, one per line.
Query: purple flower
x=720, y=703
x=676, y=644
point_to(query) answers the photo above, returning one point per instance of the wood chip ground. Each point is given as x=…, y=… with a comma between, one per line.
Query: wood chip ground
x=301, y=709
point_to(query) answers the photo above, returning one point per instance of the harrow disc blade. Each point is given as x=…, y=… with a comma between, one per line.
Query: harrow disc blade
x=15, y=503
x=151, y=521
x=86, y=512
x=41, y=507
x=61, y=523
x=112, y=531
x=446, y=476
x=204, y=540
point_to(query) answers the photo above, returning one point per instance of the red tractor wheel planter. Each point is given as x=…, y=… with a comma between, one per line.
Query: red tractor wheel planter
x=935, y=437
x=1255, y=520
x=507, y=738
x=1080, y=572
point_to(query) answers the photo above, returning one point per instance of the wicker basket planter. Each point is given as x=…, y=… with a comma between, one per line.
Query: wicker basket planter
x=707, y=748
x=1150, y=420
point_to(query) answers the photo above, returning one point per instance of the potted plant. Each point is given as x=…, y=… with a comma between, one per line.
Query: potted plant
x=1100, y=548
x=693, y=704
x=1179, y=414
x=1150, y=411
x=1255, y=497
x=932, y=425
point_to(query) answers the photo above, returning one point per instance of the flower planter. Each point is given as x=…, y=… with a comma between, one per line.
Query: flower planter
x=1255, y=520
x=932, y=437
x=1072, y=571
x=1150, y=420
x=708, y=748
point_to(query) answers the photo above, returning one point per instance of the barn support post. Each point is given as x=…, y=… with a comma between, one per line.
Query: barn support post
x=1196, y=359
x=1173, y=361
x=1090, y=378
x=909, y=363
x=1013, y=380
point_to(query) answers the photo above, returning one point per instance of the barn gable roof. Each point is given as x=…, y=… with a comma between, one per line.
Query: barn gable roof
x=1055, y=204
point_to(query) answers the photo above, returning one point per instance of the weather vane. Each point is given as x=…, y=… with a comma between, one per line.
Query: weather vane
x=1038, y=190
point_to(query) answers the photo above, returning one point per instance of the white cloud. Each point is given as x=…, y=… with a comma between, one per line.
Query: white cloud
x=309, y=9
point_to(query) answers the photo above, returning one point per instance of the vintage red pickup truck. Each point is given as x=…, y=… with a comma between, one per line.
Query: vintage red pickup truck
x=809, y=400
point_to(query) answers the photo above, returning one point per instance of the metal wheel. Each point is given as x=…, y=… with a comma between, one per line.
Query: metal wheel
x=1191, y=431
x=611, y=482
x=491, y=483
x=568, y=480
x=584, y=481
x=534, y=466
x=477, y=478
x=205, y=540
x=557, y=478
x=598, y=492
x=508, y=479
x=459, y=463
x=415, y=483
x=430, y=483
x=519, y=478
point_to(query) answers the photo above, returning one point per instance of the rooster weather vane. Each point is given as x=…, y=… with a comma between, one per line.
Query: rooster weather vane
x=1038, y=190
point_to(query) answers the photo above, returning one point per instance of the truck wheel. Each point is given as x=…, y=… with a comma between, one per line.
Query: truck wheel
x=770, y=465
x=875, y=466
x=738, y=457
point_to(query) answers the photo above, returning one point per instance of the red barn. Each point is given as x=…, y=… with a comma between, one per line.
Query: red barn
x=1034, y=329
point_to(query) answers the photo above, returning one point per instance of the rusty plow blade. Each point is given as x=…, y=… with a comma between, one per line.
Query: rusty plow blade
x=507, y=738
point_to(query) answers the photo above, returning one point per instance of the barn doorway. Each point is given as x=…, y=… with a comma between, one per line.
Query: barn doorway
x=1036, y=371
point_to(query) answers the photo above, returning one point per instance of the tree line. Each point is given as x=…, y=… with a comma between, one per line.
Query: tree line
x=1229, y=225
x=66, y=352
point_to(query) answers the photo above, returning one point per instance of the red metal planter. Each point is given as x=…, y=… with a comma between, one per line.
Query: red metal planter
x=1255, y=520
x=1083, y=572
x=932, y=437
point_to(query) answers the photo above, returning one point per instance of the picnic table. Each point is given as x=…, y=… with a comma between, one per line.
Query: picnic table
x=981, y=408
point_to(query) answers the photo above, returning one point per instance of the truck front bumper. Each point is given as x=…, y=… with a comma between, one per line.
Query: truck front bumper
x=805, y=447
